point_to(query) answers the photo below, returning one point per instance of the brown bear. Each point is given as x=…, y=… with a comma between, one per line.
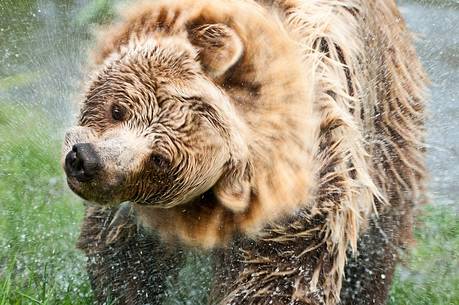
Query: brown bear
x=284, y=137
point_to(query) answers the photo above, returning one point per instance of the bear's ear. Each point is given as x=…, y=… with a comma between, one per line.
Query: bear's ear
x=219, y=47
x=233, y=188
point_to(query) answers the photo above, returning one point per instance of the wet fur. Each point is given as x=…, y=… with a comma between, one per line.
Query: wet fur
x=278, y=95
x=330, y=95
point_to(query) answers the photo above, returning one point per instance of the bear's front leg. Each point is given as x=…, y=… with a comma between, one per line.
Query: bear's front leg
x=278, y=278
x=125, y=264
x=290, y=265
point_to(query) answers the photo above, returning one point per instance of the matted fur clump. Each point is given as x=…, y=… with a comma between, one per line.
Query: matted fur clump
x=285, y=137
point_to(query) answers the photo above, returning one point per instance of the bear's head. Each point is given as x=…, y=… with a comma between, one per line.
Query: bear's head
x=203, y=108
x=155, y=130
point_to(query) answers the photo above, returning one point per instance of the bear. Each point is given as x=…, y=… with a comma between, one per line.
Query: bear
x=284, y=138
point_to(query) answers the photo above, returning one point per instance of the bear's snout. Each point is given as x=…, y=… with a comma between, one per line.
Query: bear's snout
x=82, y=162
x=103, y=168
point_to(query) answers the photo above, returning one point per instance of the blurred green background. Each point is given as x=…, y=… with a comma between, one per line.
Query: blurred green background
x=43, y=48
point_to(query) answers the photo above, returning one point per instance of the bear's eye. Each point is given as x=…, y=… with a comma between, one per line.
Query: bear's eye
x=118, y=113
x=159, y=161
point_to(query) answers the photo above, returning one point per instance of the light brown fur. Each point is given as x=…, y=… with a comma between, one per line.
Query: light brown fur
x=318, y=129
x=280, y=164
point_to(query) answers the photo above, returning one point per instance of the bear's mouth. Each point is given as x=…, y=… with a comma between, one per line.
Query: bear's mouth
x=75, y=186
x=98, y=192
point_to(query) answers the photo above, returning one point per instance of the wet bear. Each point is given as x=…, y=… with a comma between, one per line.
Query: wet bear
x=285, y=138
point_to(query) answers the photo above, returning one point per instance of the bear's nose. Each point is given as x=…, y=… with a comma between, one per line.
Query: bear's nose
x=82, y=162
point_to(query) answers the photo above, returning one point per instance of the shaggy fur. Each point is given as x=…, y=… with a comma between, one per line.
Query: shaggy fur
x=306, y=168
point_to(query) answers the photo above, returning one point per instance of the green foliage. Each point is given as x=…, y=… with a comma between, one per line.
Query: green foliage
x=18, y=80
x=96, y=11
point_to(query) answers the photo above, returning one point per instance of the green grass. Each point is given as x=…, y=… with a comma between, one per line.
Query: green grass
x=431, y=275
x=38, y=216
x=39, y=224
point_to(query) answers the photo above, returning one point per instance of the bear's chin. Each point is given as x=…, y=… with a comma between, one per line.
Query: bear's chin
x=93, y=196
x=76, y=188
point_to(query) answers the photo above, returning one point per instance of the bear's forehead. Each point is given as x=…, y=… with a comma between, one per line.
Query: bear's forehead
x=168, y=58
x=138, y=89
x=147, y=72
